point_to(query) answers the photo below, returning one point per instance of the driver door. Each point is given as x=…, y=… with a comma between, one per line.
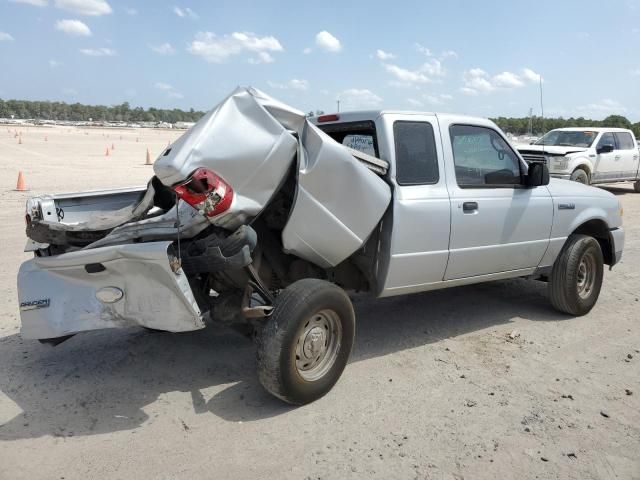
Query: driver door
x=497, y=224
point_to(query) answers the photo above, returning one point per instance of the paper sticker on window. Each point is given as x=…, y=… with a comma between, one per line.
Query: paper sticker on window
x=362, y=143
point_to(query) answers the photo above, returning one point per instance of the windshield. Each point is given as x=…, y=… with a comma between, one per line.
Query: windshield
x=563, y=138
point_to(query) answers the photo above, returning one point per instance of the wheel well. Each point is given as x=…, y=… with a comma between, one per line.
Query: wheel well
x=585, y=168
x=599, y=230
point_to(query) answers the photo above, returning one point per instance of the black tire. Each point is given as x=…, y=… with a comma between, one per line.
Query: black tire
x=580, y=176
x=636, y=186
x=569, y=288
x=279, y=368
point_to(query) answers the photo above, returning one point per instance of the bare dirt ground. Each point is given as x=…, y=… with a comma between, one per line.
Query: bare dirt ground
x=436, y=387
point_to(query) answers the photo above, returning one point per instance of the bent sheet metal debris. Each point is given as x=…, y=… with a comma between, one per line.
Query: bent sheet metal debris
x=252, y=141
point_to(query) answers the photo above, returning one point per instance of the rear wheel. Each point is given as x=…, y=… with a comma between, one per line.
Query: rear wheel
x=576, y=278
x=636, y=186
x=305, y=344
x=580, y=176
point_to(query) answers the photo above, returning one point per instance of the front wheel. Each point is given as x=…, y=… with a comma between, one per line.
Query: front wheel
x=576, y=277
x=580, y=176
x=305, y=344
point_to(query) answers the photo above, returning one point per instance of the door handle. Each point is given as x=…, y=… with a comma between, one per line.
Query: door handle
x=617, y=157
x=469, y=207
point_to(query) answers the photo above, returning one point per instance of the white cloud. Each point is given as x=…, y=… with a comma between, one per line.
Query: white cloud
x=217, y=49
x=477, y=80
x=75, y=28
x=169, y=90
x=635, y=72
x=293, y=84
x=98, y=52
x=36, y=3
x=69, y=91
x=130, y=11
x=414, y=102
x=5, y=37
x=54, y=63
x=163, y=49
x=423, y=50
x=530, y=76
x=469, y=91
x=605, y=105
x=382, y=55
x=328, y=42
x=185, y=12
x=507, y=80
x=84, y=7
x=263, y=57
x=426, y=73
x=354, y=98
x=307, y=51
x=448, y=54
x=440, y=99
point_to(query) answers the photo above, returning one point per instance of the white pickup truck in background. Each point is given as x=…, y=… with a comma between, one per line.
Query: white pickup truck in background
x=261, y=219
x=588, y=155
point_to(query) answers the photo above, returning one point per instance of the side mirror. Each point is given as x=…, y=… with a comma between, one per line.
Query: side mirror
x=608, y=148
x=532, y=142
x=537, y=175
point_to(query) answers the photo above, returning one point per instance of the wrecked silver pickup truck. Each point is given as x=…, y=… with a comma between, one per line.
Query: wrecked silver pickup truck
x=261, y=219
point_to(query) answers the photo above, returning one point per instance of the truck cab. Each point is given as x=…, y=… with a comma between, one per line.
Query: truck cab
x=588, y=155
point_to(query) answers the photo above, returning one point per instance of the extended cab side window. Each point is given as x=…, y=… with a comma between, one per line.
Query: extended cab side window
x=624, y=140
x=482, y=157
x=607, y=139
x=416, y=155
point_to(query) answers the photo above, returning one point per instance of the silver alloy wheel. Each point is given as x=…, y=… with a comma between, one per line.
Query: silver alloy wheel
x=586, y=275
x=318, y=345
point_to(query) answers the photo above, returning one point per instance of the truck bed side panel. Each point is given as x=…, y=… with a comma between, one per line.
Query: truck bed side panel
x=58, y=295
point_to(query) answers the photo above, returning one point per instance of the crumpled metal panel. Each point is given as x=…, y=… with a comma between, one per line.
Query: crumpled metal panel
x=241, y=141
x=58, y=296
x=251, y=140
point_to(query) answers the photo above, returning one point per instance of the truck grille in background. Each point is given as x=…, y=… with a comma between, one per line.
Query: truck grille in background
x=534, y=157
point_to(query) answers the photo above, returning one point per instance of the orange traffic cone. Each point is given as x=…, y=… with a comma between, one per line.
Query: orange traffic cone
x=148, y=162
x=106, y=153
x=113, y=147
x=20, y=186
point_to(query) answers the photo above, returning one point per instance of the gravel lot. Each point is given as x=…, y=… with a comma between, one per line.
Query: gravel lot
x=483, y=381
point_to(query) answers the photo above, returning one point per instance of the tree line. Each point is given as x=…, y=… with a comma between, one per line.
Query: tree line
x=46, y=110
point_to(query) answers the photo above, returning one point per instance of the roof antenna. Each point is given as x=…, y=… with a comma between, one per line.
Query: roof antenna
x=542, y=112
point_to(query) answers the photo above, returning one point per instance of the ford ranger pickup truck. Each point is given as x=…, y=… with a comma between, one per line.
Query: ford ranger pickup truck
x=261, y=219
x=588, y=155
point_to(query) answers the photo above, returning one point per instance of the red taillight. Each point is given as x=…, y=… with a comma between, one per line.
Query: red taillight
x=206, y=192
x=328, y=118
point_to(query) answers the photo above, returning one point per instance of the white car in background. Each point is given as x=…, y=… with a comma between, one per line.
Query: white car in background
x=588, y=155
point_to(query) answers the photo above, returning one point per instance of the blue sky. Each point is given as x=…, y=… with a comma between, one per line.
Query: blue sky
x=480, y=58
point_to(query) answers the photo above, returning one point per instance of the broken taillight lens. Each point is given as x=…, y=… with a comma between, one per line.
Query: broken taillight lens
x=206, y=192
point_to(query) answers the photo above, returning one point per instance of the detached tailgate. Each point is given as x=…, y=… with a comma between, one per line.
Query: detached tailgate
x=59, y=295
